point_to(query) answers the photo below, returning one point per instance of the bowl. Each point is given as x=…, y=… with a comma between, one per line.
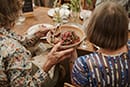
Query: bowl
x=85, y=14
x=60, y=33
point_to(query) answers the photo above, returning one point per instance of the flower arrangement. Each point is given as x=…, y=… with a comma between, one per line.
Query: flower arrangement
x=56, y=3
x=75, y=5
x=89, y=2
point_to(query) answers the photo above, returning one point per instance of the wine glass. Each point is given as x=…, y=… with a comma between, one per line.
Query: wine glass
x=21, y=17
x=84, y=44
x=36, y=3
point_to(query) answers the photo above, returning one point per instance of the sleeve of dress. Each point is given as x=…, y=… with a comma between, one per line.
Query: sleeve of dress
x=80, y=72
x=17, y=68
x=25, y=40
x=29, y=42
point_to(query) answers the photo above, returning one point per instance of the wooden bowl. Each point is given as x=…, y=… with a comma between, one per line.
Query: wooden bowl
x=63, y=28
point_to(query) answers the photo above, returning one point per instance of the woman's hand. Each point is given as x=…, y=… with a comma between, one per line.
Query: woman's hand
x=56, y=55
x=42, y=31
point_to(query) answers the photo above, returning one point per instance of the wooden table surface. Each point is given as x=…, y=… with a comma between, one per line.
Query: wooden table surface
x=40, y=16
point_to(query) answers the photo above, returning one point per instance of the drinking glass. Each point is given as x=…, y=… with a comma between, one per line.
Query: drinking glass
x=21, y=17
x=36, y=3
x=84, y=44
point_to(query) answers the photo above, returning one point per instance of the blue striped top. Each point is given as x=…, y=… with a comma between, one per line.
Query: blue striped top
x=99, y=70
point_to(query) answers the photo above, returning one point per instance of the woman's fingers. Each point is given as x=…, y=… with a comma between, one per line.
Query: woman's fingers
x=56, y=47
x=64, y=54
x=42, y=31
x=56, y=55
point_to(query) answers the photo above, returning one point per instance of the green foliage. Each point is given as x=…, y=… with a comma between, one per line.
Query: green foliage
x=75, y=5
x=57, y=18
x=89, y=2
x=55, y=4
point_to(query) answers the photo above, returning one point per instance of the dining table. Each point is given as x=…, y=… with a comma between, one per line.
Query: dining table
x=40, y=16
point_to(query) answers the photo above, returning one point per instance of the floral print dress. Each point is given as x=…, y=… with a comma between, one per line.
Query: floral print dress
x=16, y=68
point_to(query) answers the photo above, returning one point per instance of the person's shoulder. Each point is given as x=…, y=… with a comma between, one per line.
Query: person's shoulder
x=86, y=57
x=128, y=43
x=83, y=62
x=3, y=38
x=7, y=41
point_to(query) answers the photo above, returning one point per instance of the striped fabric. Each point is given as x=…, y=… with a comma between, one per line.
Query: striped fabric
x=99, y=70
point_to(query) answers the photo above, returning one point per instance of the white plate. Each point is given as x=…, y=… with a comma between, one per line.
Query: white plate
x=35, y=28
x=62, y=11
x=85, y=13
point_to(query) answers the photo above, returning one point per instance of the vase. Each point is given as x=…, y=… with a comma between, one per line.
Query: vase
x=75, y=17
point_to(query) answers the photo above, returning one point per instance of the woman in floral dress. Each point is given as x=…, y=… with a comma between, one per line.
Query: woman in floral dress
x=16, y=67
